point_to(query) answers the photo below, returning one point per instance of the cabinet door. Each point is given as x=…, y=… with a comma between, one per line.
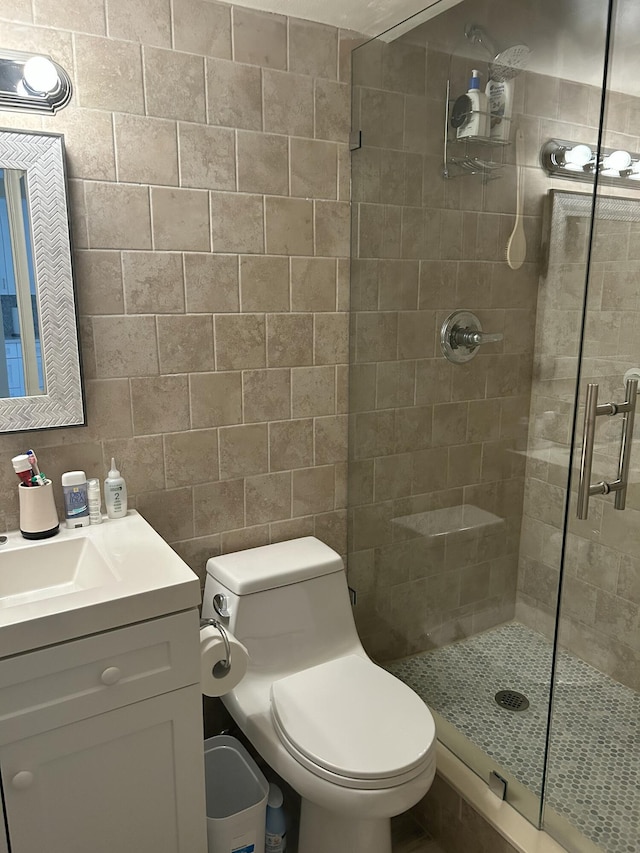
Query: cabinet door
x=130, y=780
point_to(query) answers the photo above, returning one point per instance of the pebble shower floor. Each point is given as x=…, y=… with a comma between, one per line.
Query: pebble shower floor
x=594, y=774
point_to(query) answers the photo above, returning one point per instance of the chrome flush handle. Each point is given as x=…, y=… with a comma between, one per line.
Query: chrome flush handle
x=220, y=605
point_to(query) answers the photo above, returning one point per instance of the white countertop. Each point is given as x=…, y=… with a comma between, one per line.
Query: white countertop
x=138, y=577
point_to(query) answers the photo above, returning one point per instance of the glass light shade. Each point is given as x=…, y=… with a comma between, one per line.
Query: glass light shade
x=40, y=75
x=617, y=160
x=579, y=155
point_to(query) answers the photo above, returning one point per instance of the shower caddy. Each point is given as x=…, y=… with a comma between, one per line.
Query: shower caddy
x=463, y=159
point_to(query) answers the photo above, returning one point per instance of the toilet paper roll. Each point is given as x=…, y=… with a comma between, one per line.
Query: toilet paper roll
x=215, y=678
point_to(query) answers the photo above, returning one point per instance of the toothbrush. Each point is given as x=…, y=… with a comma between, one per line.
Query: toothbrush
x=37, y=476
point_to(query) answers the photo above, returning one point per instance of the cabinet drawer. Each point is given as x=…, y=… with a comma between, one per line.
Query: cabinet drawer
x=60, y=684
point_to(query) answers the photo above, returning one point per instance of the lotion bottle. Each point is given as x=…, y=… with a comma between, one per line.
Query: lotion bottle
x=93, y=493
x=115, y=493
x=478, y=123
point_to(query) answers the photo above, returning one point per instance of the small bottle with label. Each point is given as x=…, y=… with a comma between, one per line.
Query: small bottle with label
x=477, y=122
x=76, y=501
x=95, y=500
x=275, y=840
x=115, y=493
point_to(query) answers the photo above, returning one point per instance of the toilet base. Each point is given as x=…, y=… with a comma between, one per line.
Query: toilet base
x=322, y=830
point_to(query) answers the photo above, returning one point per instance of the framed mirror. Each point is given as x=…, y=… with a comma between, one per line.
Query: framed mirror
x=40, y=373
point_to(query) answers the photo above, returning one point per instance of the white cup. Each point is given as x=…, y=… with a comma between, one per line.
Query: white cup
x=38, y=514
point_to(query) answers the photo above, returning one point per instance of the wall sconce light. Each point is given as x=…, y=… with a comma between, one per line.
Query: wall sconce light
x=562, y=159
x=32, y=83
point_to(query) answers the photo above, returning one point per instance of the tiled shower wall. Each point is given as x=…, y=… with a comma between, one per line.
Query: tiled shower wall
x=209, y=186
x=600, y=611
x=428, y=436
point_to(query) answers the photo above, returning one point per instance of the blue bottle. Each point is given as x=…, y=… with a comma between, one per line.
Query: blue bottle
x=275, y=840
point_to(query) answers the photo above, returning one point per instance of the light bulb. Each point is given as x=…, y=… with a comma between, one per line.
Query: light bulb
x=617, y=160
x=40, y=75
x=579, y=155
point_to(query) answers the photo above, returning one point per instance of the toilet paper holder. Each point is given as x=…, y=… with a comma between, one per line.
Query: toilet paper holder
x=223, y=666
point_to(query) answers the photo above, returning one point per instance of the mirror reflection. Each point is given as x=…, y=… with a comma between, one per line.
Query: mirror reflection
x=21, y=372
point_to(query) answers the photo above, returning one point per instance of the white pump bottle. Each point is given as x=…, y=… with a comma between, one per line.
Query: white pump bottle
x=478, y=122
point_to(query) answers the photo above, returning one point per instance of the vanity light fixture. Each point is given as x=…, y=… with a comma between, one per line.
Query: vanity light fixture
x=562, y=159
x=32, y=83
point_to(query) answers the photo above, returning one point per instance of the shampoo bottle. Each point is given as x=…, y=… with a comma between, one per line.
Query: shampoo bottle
x=500, y=96
x=115, y=493
x=478, y=122
x=275, y=840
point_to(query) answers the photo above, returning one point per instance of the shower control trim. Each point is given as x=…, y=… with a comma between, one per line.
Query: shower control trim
x=461, y=335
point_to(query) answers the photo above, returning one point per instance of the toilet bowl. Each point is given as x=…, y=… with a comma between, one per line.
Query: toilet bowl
x=357, y=744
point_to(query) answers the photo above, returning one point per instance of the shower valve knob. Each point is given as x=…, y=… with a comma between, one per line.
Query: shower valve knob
x=461, y=335
x=470, y=337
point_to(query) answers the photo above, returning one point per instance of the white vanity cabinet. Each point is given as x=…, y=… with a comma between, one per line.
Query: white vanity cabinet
x=4, y=847
x=101, y=743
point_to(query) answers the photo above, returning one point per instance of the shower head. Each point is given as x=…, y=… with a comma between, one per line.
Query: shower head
x=504, y=65
x=509, y=63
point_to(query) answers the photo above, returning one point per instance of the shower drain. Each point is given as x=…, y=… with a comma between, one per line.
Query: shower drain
x=512, y=700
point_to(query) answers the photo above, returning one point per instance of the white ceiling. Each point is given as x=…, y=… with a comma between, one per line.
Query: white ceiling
x=566, y=37
x=369, y=17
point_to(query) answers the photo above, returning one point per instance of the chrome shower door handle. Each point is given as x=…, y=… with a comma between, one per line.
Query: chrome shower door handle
x=631, y=396
x=591, y=413
x=586, y=457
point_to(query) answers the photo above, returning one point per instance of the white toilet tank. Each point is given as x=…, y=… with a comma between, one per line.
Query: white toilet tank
x=287, y=602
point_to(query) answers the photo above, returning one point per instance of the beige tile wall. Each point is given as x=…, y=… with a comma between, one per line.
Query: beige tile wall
x=427, y=435
x=600, y=613
x=209, y=181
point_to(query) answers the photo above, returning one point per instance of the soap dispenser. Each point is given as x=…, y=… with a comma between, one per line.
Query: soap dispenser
x=478, y=120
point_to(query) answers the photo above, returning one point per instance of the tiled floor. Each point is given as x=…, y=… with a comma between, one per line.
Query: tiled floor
x=594, y=775
x=409, y=837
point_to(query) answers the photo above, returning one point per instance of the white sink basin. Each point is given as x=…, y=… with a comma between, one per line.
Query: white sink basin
x=88, y=580
x=55, y=567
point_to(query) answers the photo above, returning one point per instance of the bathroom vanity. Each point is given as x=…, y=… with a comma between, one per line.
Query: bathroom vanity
x=100, y=705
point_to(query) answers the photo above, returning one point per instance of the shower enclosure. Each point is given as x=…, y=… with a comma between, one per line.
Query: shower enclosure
x=494, y=479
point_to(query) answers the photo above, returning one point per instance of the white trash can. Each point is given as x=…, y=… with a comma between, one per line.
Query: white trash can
x=236, y=797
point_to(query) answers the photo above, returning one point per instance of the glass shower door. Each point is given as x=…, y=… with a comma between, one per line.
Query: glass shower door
x=458, y=470
x=593, y=775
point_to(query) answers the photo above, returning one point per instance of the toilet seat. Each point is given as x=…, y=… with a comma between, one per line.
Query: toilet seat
x=353, y=723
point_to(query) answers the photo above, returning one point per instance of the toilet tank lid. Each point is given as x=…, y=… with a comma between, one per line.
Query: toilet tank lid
x=272, y=566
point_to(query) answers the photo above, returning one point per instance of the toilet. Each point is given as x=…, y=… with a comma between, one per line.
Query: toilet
x=356, y=743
